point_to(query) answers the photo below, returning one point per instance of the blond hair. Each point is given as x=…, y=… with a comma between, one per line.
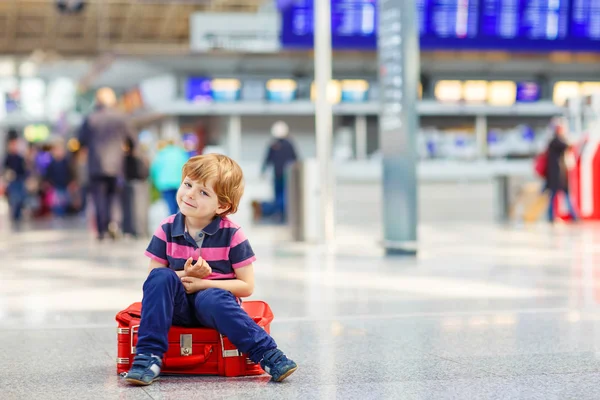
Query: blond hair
x=226, y=175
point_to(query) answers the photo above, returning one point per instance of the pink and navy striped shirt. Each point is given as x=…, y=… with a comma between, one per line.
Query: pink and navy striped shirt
x=222, y=244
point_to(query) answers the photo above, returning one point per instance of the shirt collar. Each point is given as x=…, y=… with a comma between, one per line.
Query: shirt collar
x=179, y=226
x=213, y=227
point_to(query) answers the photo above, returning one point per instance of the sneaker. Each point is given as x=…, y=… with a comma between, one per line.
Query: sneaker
x=144, y=370
x=276, y=364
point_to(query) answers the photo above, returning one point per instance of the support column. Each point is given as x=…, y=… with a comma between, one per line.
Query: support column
x=360, y=128
x=234, y=137
x=324, y=118
x=398, y=46
x=481, y=136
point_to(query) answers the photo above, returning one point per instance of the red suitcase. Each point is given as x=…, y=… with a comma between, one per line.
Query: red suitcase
x=192, y=351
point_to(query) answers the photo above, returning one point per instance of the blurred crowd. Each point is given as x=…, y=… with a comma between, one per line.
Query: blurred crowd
x=101, y=167
x=53, y=180
x=42, y=179
x=104, y=168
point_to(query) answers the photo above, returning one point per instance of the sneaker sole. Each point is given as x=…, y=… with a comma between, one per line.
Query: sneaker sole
x=282, y=377
x=137, y=382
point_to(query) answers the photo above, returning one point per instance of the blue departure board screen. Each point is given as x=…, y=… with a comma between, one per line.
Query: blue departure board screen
x=449, y=18
x=585, y=20
x=525, y=19
x=524, y=24
x=353, y=24
x=529, y=25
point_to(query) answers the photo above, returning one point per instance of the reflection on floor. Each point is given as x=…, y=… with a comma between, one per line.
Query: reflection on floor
x=484, y=312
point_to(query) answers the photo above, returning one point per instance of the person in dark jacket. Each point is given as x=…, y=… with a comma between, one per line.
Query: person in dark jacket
x=59, y=176
x=280, y=154
x=134, y=197
x=103, y=134
x=15, y=174
x=556, y=172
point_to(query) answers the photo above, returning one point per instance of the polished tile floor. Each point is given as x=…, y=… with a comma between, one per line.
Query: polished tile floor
x=484, y=312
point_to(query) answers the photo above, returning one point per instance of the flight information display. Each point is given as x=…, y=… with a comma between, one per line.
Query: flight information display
x=525, y=19
x=449, y=18
x=353, y=24
x=585, y=20
x=535, y=25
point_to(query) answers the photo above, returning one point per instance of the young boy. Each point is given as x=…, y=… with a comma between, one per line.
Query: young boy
x=178, y=292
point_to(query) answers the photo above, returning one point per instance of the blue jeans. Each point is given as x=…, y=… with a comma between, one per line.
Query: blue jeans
x=553, y=194
x=60, y=202
x=104, y=189
x=170, y=197
x=16, y=194
x=277, y=206
x=166, y=303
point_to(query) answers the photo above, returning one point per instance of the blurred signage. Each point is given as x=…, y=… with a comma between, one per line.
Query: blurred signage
x=528, y=92
x=243, y=32
x=563, y=90
x=496, y=93
x=225, y=90
x=588, y=88
x=475, y=91
x=198, y=89
x=354, y=90
x=448, y=91
x=281, y=90
x=503, y=93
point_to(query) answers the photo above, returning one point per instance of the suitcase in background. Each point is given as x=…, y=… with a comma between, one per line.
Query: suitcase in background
x=192, y=351
x=537, y=208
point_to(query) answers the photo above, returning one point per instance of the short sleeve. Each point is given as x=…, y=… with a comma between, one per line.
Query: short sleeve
x=157, y=248
x=240, y=253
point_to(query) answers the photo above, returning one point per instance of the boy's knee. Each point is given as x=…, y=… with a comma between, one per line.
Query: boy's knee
x=212, y=297
x=161, y=276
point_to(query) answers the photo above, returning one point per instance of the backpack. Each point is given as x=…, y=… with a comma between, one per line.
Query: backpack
x=541, y=164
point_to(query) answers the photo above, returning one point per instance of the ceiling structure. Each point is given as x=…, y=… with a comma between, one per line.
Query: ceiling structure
x=120, y=42
x=120, y=26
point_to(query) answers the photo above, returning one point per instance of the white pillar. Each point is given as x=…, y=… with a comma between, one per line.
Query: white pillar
x=234, y=137
x=360, y=132
x=481, y=136
x=323, y=117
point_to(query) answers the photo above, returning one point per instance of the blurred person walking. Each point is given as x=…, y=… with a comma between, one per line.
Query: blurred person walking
x=81, y=179
x=135, y=194
x=59, y=176
x=14, y=174
x=556, y=171
x=280, y=154
x=165, y=173
x=103, y=135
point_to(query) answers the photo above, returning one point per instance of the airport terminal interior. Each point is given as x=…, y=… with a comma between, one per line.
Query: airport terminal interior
x=420, y=193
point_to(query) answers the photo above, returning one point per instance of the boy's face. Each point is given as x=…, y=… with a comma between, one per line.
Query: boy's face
x=197, y=200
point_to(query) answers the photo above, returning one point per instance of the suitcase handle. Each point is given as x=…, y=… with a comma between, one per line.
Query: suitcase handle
x=185, y=362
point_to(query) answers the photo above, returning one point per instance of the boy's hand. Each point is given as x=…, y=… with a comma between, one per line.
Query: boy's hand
x=192, y=285
x=200, y=269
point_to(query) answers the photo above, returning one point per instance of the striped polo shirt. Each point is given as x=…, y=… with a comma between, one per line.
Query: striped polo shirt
x=223, y=245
